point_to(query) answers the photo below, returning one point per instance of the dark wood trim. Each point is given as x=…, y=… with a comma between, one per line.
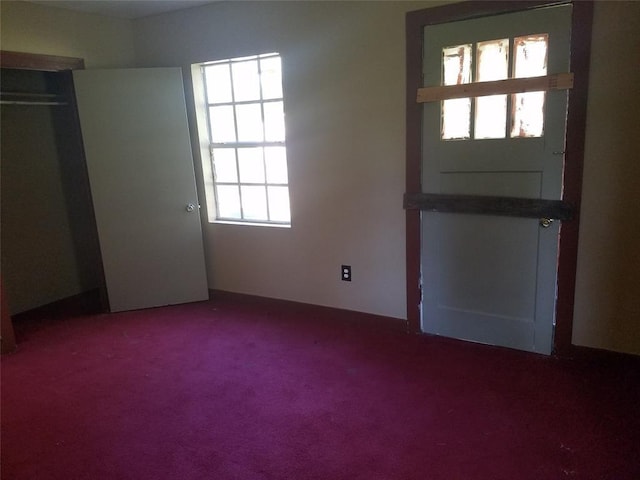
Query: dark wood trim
x=8, y=337
x=413, y=184
x=33, y=61
x=367, y=320
x=576, y=121
x=556, y=81
x=486, y=205
x=472, y=9
x=581, y=23
x=601, y=357
x=309, y=310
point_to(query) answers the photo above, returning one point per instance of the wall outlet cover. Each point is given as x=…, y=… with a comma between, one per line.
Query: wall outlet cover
x=346, y=273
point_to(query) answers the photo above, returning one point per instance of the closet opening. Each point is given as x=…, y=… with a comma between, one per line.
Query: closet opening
x=50, y=254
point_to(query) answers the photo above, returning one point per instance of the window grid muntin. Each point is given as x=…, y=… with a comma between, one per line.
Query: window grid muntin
x=510, y=114
x=237, y=144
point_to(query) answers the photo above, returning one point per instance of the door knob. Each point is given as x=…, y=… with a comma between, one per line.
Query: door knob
x=546, y=222
x=190, y=207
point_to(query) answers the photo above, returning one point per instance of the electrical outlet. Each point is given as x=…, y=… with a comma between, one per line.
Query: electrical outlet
x=346, y=273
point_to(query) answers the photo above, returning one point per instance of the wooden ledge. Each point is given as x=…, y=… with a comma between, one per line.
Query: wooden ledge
x=32, y=61
x=486, y=205
x=559, y=81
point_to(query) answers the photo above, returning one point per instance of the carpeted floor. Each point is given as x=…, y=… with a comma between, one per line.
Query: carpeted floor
x=239, y=388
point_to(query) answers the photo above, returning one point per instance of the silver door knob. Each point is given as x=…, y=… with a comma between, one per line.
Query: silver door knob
x=190, y=207
x=546, y=222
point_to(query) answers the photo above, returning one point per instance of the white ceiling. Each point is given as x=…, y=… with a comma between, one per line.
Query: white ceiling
x=123, y=8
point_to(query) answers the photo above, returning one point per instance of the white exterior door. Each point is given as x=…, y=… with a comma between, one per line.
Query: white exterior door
x=139, y=160
x=488, y=278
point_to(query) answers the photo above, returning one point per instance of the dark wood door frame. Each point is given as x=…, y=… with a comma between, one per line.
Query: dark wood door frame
x=574, y=157
x=35, y=61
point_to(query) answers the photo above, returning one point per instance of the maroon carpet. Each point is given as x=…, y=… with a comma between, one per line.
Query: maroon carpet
x=251, y=389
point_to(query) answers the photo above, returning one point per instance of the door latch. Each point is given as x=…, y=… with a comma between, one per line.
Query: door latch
x=546, y=222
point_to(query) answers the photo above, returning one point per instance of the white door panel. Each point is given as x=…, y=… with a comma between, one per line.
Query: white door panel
x=140, y=166
x=503, y=184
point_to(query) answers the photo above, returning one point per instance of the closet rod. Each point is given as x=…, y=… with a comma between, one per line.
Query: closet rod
x=25, y=102
x=27, y=98
x=29, y=94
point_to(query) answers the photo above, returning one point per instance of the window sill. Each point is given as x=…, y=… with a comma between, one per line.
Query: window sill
x=250, y=224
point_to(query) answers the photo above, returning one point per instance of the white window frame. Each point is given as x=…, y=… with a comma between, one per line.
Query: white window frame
x=212, y=183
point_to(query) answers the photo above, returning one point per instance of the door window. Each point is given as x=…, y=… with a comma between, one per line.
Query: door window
x=494, y=116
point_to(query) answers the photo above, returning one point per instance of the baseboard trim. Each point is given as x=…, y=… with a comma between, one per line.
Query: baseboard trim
x=583, y=353
x=92, y=301
x=368, y=320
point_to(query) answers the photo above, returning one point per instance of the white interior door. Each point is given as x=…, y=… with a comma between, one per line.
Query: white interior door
x=140, y=166
x=486, y=278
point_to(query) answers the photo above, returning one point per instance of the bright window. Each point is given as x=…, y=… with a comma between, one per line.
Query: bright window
x=245, y=111
x=488, y=61
x=456, y=113
x=491, y=110
x=528, y=108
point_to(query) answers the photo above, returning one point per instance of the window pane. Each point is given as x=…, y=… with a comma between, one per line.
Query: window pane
x=528, y=108
x=456, y=113
x=493, y=60
x=228, y=201
x=279, y=204
x=249, y=123
x=274, y=122
x=276, y=162
x=224, y=163
x=456, y=118
x=491, y=111
x=222, y=124
x=491, y=117
x=251, y=165
x=528, y=114
x=218, y=81
x=246, y=81
x=530, y=56
x=456, y=65
x=254, y=202
x=271, y=76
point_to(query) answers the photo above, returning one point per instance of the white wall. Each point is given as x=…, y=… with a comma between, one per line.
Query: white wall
x=607, y=308
x=102, y=41
x=344, y=74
